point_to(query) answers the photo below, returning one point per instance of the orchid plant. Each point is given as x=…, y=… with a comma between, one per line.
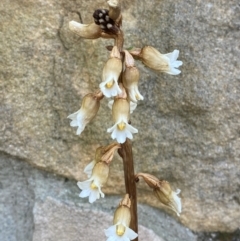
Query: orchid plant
x=120, y=79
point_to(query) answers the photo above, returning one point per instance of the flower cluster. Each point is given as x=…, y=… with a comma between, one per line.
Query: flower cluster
x=120, y=76
x=97, y=171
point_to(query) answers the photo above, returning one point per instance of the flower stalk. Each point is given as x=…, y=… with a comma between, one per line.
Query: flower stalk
x=120, y=78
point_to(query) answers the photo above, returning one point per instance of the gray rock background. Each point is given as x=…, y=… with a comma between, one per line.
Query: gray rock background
x=188, y=124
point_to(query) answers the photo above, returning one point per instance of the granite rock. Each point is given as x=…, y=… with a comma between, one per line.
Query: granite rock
x=36, y=205
x=188, y=124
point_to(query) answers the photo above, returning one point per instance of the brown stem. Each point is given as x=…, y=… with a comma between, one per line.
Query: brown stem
x=119, y=40
x=126, y=154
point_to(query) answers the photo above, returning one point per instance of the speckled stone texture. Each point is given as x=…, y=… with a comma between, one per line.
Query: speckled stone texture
x=188, y=124
x=38, y=206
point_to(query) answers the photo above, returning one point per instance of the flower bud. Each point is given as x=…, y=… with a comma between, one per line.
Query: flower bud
x=88, y=110
x=111, y=73
x=163, y=192
x=114, y=9
x=130, y=78
x=88, y=31
x=130, y=82
x=153, y=59
x=106, y=23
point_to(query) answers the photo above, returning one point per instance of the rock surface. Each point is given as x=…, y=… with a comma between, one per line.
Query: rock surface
x=37, y=206
x=188, y=124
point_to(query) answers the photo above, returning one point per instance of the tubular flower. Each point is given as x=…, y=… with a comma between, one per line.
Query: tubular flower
x=88, y=110
x=111, y=73
x=130, y=78
x=163, y=192
x=153, y=59
x=121, y=129
x=130, y=82
x=88, y=31
x=92, y=187
x=168, y=197
x=120, y=231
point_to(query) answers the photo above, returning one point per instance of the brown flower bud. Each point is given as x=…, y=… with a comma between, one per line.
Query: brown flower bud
x=114, y=9
x=88, y=31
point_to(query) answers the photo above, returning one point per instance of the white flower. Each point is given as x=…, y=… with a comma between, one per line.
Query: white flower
x=122, y=130
x=89, y=108
x=152, y=58
x=88, y=169
x=133, y=105
x=168, y=197
x=130, y=81
x=78, y=121
x=111, y=72
x=163, y=192
x=92, y=187
x=112, y=234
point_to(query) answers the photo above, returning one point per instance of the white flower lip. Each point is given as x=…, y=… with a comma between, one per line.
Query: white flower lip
x=78, y=120
x=128, y=235
x=177, y=202
x=122, y=135
x=87, y=191
x=134, y=94
x=174, y=63
x=114, y=90
x=88, y=169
